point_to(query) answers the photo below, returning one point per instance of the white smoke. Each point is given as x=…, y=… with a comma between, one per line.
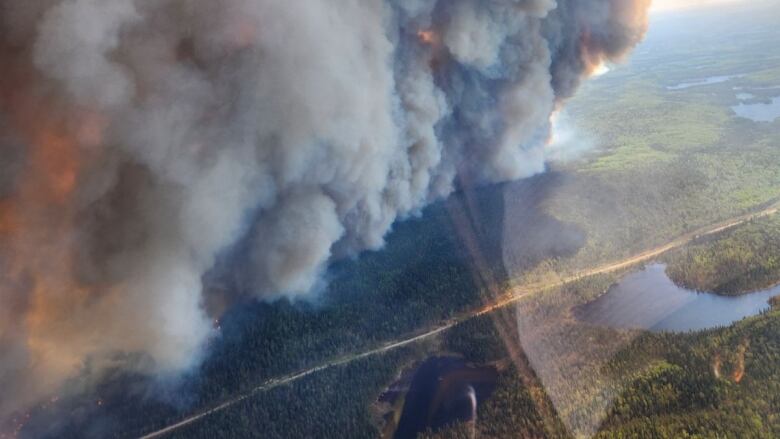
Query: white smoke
x=159, y=133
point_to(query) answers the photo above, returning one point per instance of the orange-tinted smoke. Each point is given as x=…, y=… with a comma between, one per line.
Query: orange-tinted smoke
x=428, y=37
x=37, y=218
x=633, y=16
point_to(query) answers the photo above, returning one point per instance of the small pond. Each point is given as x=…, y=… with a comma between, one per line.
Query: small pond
x=759, y=112
x=648, y=299
x=444, y=390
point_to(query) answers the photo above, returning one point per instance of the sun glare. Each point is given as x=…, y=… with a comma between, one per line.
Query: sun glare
x=676, y=5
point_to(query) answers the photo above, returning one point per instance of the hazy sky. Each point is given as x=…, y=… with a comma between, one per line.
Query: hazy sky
x=669, y=5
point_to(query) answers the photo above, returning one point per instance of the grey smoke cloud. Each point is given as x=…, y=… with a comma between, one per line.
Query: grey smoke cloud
x=141, y=138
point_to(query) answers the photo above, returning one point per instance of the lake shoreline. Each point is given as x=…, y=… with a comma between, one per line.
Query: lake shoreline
x=648, y=299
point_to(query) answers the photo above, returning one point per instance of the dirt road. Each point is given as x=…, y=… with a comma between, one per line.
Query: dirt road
x=511, y=297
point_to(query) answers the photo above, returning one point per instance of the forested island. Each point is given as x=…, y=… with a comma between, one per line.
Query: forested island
x=739, y=261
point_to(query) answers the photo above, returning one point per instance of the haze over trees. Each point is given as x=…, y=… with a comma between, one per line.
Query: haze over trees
x=667, y=162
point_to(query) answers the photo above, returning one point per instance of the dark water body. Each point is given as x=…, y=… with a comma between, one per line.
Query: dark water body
x=442, y=392
x=759, y=112
x=648, y=299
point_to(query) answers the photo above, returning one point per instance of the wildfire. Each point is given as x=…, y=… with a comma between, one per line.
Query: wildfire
x=37, y=220
x=739, y=371
x=552, y=136
x=600, y=69
x=594, y=58
x=738, y=374
x=428, y=37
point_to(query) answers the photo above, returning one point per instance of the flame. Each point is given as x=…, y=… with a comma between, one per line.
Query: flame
x=552, y=137
x=428, y=37
x=600, y=69
x=739, y=370
x=738, y=374
x=594, y=53
x=592, y=59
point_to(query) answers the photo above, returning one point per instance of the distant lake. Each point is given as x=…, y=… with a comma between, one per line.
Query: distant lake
x=706, y=81
x=648, y=299
x=759, y=112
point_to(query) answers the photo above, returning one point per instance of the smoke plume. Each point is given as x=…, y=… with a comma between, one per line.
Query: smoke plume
x=141, y=139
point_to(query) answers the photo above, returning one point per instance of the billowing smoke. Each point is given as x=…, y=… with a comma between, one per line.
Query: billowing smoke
x=141, y=139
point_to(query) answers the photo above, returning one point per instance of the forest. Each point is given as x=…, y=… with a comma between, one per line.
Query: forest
x=738, y=261
x=718, y=383
x=666, y=164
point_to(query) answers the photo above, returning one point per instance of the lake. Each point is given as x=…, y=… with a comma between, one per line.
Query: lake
x=648, y=299
x=444, y=390
x=759, y=112
x=706, y=81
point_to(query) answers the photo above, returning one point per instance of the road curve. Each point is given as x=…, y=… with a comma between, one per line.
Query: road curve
x=513, y=296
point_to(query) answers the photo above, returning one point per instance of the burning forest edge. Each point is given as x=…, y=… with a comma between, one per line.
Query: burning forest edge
x=152, y=141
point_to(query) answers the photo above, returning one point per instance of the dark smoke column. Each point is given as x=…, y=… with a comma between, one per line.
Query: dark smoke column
x=142, y=138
